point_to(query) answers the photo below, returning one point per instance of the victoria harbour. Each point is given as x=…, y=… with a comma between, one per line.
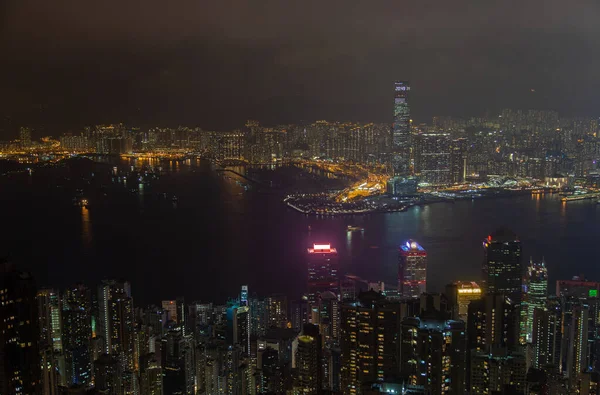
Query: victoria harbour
x=172, y=248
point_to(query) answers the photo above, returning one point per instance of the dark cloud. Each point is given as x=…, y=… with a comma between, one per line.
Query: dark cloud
x=214, y=64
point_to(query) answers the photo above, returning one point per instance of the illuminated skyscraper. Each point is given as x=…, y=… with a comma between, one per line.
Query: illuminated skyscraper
x=433, y=355
x=51, y=341
x=308, y=379
x=77, y=334
x=401, y=141
x=412, y=269
x=536, y=294
x=502, y=267
x=19, y=333
x=323, y=271
x=369, y=341
x=547, y=335
x=460, y=295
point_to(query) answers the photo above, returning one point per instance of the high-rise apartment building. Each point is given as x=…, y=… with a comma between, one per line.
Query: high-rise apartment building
x=401, y=137
x=308, y=358
x=412, y=269
x=323, y=271
x=25, y=137
x=369, y=341
x=19, y=333
x=432, y=152
x=433, y=355
x=547, y=335
x=51, y=341
x=502, y=267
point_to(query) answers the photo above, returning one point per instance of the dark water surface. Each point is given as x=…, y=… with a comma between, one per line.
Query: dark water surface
x=219, y=237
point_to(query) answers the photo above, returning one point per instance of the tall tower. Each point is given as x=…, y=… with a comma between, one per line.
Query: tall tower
x=77, y=333
x=401, y=141
x=19, y=333
x=412, y=269
x=323, y=271
x=308, y=361
x=536, y=288
x=369, y=341
x=502, y=267
x=433, y=355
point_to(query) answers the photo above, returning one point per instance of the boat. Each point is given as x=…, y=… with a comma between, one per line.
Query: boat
x=353, y=228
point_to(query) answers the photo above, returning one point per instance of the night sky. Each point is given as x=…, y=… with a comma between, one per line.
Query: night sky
x=64, y=64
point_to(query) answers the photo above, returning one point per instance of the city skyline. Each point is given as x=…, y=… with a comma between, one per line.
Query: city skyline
x=459, y=63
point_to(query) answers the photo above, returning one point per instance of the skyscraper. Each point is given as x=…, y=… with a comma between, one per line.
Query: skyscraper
x=547, y=335
x=308, y=379
x=502, y=267
x=401, y=141
x=369, y=341
x=77, y=333
x=51, y=341
x=433, y=355
x=432, y=157
x=461, y=294
x=536, y=294
x=170, y=306
x=25, y=137
x=323, y=271
x=412, y=269
x=19, y=333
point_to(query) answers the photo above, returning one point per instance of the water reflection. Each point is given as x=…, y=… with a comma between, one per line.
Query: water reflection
x=86, y=227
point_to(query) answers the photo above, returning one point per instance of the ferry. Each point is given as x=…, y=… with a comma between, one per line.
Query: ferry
x=352, y=228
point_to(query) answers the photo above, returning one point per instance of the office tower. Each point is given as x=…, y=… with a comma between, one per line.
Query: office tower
x=238, y=327
x=244, y=296
x=402, y=186
x=401, y=138
x=178, y=361
x=458, y=160
x=412, y=269
x=502, y=267
x=77, y=333
x=25, y=137
x=51, y=341
x=432, y=157
x=369, y=341
x=323, y=271
x=308, y=360
x=259, y=316
x=493, y=322
x=498, y=372
x=299, y=313
x=578, y=288
x=170, y=306
x=150, y=375
x=108, y=375
x=181, y=313
x=536, y=294
x=277, y=311
x=433, y=355
x=460, y=294
x=547, y=335
x=326, y=314
x=19, y=333
x=154, y=319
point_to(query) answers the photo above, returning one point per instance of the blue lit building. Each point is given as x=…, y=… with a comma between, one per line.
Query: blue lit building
x=412, y=269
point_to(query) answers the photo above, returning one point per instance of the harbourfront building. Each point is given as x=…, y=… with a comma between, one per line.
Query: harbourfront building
x=412, y=269
x=401, y=138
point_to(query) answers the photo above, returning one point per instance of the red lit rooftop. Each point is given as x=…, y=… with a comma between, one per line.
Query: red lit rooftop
x=322, y=249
